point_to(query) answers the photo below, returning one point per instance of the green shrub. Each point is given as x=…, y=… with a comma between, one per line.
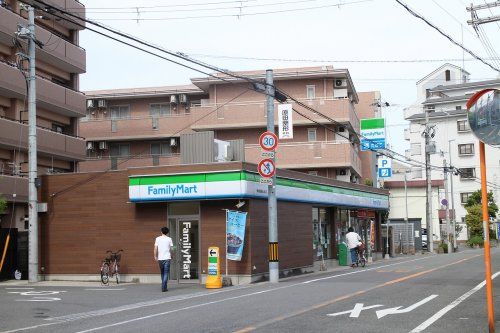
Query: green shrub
x=475, y=240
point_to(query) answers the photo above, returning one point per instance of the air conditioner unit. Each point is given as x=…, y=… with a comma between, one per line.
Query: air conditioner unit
x=103, y=145
x=90, y=145
x=173, y=99
x=183, y=99
x=173, y=142
x=101, y=103
x=90, y=104
x=340, y=83
x=342, y=172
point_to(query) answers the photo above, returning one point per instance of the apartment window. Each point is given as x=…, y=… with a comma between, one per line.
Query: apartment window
x=464, y=197
x=462, y=219
x=467, y=173
x=311, y=134
x=311, y=92
x=119, y=111
x=58, y=128
x=447, y=75
x=415, y=149
x=463, y=126
x=159, y=110
x=466, y=149
x=119, y=150
x=458, y=107
x=161, y=148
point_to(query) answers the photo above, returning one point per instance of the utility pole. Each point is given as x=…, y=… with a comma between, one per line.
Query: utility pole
x=29, y=34
x=475, y=21
x=454, y=219
x=428, y=206
x=406, y=217
x=271, y=189
x=447, y=212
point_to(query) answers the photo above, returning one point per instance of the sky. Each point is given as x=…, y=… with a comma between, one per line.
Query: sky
x=318, y=31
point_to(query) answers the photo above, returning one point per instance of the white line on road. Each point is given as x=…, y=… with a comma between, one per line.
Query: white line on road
x=20, y=288
x=113, y=289
x=85, y=315
x=450, y=306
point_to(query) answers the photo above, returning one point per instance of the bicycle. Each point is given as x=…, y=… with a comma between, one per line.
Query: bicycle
x=110, y=267
x=360, y=257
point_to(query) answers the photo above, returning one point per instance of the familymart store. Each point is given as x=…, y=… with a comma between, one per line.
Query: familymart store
x=125, y=210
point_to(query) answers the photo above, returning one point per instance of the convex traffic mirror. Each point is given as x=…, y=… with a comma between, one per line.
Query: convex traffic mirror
x=484, y=116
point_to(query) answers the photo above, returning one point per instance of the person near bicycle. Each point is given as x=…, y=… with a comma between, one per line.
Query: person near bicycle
x=162, y=253
x=353, y=242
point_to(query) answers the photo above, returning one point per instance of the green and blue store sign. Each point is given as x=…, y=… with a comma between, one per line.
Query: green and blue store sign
x=242, y=184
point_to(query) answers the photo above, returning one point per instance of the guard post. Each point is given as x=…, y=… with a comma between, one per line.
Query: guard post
x=214, y=280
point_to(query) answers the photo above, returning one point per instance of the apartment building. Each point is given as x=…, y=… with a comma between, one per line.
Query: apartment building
x=141, y=127
x=59, y=62
x=444, y=93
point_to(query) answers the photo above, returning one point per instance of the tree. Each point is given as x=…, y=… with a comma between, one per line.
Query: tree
x=475, y=199
x=474, y=217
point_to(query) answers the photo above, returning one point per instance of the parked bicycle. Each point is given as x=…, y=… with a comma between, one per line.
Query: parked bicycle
x=110, y=267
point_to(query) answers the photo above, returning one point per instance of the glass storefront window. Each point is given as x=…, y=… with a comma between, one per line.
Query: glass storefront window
x=321, y=234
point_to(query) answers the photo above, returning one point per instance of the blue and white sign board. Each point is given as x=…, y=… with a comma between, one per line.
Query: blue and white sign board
x=372, y=134
x=384, y=167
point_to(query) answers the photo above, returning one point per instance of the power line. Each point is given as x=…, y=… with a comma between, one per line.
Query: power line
x=219, y=70
x=77, y=9
x=238, y=15
x=411, y=11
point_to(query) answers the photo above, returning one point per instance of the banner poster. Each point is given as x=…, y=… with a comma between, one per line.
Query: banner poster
x=235, y=234
x=372, y=234
x=285, y=122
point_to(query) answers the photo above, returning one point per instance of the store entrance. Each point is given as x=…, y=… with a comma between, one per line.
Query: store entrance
x=185, y=233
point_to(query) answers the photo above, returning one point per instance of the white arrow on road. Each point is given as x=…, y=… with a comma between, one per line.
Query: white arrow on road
x=396, y=310
x=354, y=313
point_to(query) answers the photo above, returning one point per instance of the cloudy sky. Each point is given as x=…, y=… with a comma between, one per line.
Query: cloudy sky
x=343, y=33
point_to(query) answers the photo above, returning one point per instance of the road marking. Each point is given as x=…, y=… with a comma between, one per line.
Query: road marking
x=39, y=299
x=397, y=310
x=84, y=315
x=355, y=312
x=113, y=289
x=450, y=306
x=20, y=288
x=280, y=318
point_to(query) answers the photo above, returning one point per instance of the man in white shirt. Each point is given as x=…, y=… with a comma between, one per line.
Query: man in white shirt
x=353, y=241
x=163, y=246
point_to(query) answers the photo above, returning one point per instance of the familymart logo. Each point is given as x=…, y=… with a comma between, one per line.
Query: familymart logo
x=172, y=190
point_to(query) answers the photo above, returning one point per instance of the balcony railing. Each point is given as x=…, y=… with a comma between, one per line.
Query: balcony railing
x=304, y=155
x=122, y=162
x=253, y=114
x=15, y=134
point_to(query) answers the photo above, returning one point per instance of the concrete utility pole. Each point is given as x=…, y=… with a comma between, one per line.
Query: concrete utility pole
x=29, y=34
x=428, y=206
x=475, y=21
x=271, y=189
x=453, y=218
x=445, y=170
x=406, y=217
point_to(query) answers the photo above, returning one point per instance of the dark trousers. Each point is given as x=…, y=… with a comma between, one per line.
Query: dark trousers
x=165, y=272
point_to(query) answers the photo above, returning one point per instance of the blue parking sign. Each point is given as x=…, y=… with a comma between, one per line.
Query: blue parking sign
x=384, y=167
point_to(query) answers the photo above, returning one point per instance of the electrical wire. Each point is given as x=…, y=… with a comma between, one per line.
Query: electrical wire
x=238, y=15
x=76, y=9
x=228, y=73
x=411, y=11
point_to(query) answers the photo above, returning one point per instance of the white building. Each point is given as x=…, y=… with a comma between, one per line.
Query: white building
x=444, y=93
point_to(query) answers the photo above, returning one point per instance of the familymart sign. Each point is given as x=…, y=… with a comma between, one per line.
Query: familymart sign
x=242, y=184
x=372, y=134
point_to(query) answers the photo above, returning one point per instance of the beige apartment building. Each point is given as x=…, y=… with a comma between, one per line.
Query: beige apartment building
x=59, y=62
x=141, y=127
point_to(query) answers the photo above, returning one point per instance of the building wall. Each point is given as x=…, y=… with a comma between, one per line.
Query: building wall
x=366, y=110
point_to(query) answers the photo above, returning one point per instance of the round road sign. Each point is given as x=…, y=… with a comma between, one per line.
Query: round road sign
x=483, y=113
x=266, y=168
x=268, y=141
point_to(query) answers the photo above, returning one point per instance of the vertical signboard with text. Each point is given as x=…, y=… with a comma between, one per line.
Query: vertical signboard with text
x=372, y=134
x=285, y=123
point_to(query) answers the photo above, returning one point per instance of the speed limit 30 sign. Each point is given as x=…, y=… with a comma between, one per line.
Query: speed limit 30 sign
x=266, y=168
x=268, y=141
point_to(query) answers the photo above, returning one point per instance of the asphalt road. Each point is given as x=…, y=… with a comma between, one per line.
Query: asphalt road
x=439, y=293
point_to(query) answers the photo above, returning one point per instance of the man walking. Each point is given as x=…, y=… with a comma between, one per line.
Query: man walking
x=353, y=241
x=163, y=245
